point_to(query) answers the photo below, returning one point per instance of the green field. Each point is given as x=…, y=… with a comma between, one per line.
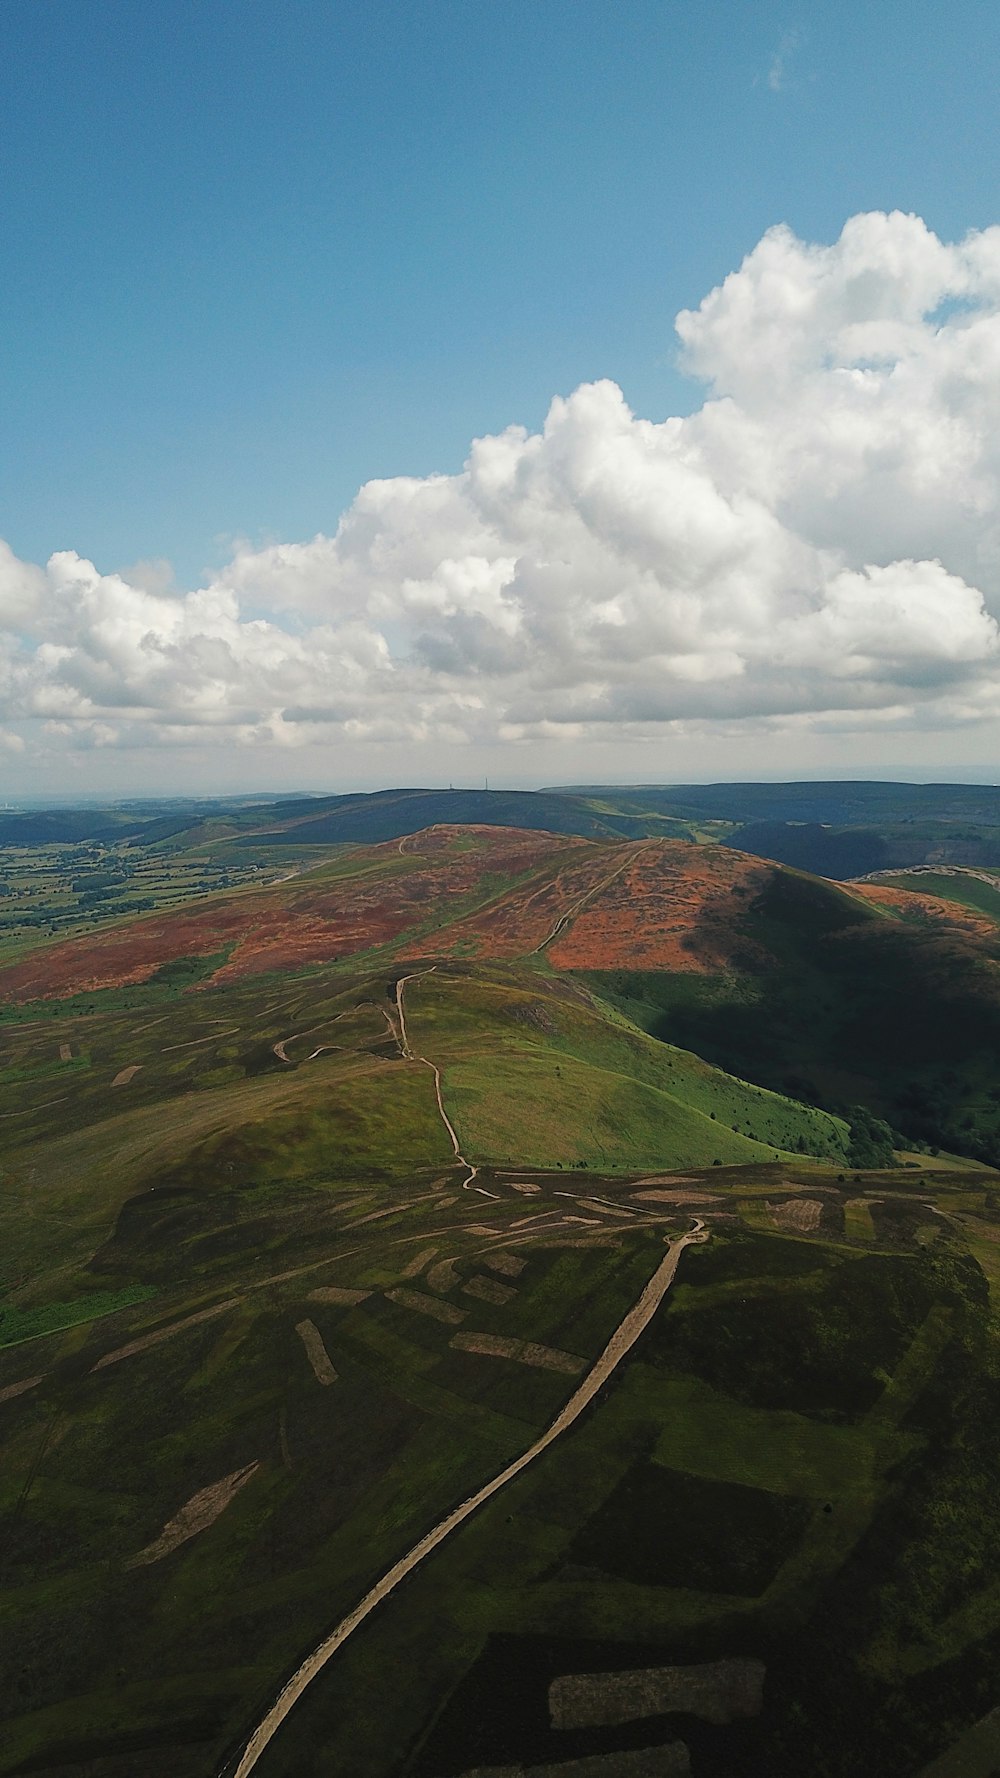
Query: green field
x=958, y=885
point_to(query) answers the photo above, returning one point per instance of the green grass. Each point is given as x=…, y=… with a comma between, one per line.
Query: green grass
x=711, y=1435
x=662, y=1527
x=578, y=1085
x=585, y=1115
x=20, y=1324
x=858, y=1224
x=954, y=885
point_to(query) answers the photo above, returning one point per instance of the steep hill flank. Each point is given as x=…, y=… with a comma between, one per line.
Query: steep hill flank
x=839, y=1001
x=536, y=1072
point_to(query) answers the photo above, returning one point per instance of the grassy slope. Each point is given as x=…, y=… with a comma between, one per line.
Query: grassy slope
x=536, y=1074
x=801, y=987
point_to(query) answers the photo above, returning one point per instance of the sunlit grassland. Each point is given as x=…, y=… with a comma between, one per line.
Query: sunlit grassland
x=578, y=1086
x=63, y=1196
x=573, y=1115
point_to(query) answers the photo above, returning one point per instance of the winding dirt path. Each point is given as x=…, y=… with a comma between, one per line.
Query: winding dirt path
x=411, y=1056
x=620, y=1343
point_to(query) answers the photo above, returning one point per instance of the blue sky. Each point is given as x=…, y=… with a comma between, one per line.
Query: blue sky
x=256, y=254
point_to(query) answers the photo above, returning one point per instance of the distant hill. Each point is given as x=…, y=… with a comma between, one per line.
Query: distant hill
x=144, y=821
x=391, y=814
x=836, y=830
x=849, y=803
x=839, y=830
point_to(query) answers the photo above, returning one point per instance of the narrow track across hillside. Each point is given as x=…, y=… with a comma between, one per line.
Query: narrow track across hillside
x=411, y=1056
x=588, y=894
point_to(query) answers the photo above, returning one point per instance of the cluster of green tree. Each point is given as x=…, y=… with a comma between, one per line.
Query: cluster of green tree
x=872, y=1141
x=100, y=879
x=941, y=1123
x=182, y=970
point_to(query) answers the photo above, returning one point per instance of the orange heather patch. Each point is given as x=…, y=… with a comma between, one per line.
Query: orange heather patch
x=323, y=921
x=308, y=919
x=648, y=904
x=124, y=953
x=675, y=907
x=520, y=921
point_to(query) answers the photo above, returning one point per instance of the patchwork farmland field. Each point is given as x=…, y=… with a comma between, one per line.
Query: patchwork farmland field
x=309, y=1237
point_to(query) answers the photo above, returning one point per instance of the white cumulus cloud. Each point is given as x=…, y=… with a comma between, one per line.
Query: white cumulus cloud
x=819, y=543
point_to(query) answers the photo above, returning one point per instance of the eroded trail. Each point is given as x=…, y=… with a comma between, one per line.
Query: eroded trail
x=620, y=1343
x=411, y=1055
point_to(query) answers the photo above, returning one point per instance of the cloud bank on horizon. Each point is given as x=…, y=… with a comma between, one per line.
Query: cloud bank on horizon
x=819, y=543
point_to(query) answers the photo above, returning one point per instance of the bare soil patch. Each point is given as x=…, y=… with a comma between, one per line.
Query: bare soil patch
x=677, y=1196
x=598, y=1240
x=415, y=1266
x=802, y=1215
x=200, y=1511
x=443, y=1276
x=488, y=1290
x=124, y=1075
x=11, y=1389
x=164, y=1333
x=717, y=1691
x=339, y=1294
x=427, y=1305
x=507, y=1263
x=316, y=1352
x=543, y=1358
